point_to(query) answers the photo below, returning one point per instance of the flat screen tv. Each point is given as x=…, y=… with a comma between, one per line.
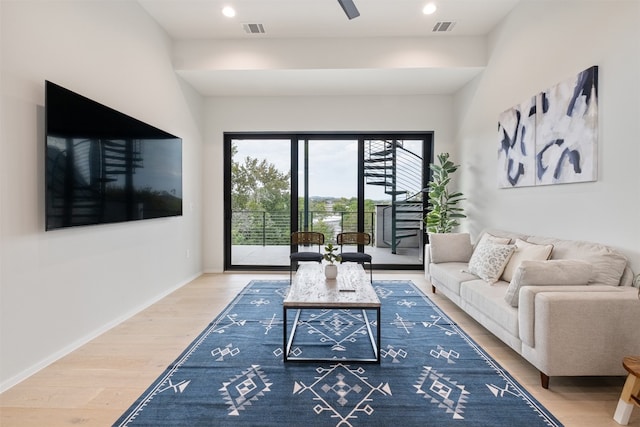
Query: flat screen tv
x=103, y=166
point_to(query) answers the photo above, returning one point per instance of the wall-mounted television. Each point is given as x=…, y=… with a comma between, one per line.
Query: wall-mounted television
x=103, y=166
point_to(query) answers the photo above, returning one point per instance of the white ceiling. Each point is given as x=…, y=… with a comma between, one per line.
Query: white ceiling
x=325, y=19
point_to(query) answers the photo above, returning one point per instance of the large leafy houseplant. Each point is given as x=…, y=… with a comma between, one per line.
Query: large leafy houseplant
x=444, y=212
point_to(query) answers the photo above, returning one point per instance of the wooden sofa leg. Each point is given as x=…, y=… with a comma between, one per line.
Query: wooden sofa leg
x=433, y=289
x=544, y=380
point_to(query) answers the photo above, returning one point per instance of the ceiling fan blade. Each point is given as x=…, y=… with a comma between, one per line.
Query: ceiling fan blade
x=349, y=8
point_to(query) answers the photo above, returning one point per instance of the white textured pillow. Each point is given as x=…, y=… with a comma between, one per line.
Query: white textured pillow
x=525, y=251
x=489, y=259
x=450, y=247
x=548, y=273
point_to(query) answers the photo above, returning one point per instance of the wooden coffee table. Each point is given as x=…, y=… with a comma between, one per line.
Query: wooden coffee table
x=350, y=290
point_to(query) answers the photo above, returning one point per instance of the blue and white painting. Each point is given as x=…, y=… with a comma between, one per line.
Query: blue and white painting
x=516, y=153
x=567, y=130
x=564, y=145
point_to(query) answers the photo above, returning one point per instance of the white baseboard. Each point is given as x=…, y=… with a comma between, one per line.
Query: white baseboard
x=16, y=379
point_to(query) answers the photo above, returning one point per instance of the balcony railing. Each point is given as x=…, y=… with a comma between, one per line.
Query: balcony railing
x=272, y=228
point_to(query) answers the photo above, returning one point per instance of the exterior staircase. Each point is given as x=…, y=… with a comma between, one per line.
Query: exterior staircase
x=388, y=164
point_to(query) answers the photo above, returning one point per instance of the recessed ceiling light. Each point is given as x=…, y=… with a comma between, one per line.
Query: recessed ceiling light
x=228, y=11
x=429, y=8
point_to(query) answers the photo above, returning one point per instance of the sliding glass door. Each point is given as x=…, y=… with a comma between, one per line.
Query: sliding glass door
x=258, y=201
x=276, y=184
x=328, y=186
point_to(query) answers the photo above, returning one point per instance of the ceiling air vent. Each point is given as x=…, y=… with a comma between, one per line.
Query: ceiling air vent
x=253, y=28
x=443, y=26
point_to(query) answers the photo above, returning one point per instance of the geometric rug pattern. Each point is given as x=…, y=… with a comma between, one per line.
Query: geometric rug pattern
x=431, y=373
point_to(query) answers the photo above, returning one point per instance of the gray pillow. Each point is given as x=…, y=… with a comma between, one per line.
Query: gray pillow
x=450, y=247
x=525, y=251
x=608, y=264
x=547, y=273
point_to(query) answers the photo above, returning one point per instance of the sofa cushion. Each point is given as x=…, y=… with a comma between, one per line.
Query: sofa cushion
x=547, y=273
x=489, y=299
x=489, y=260
x=450, y=247
x=525, y=251
x=450, y=275
x=608, y=265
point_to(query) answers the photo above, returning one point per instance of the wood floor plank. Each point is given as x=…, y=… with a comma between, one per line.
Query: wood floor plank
x=95, y=384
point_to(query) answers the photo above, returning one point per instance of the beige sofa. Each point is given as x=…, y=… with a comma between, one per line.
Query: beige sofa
x=567, y=307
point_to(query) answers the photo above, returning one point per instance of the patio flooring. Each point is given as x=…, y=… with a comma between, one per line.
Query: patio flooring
x=279, y=255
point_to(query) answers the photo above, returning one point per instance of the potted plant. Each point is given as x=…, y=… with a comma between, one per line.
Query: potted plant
x=444, y=211
x=330, y=269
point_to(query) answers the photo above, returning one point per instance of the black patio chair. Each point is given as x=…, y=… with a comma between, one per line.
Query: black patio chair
x=305, y=238
x=354, y=238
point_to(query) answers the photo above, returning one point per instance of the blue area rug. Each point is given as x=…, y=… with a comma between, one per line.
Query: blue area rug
x=431, y=374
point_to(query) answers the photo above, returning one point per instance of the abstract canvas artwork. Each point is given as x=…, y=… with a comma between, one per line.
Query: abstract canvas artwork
x=552, y=138
x=516, y=157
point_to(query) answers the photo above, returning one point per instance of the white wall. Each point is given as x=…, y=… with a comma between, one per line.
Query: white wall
x=307, y=114
x=540, y=44
x=60, y=288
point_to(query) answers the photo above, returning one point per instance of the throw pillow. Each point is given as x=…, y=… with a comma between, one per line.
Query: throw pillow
x=450, y=247
x=486, y=237
x=547, y=273
x=608, y=264
x=525, y=251
x=489, y=259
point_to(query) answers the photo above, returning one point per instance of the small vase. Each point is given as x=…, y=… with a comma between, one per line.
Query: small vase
x=331, y=271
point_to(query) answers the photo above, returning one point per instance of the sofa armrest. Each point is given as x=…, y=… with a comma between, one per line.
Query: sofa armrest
x=579, y=330
x=527, y=305
x=427, y=261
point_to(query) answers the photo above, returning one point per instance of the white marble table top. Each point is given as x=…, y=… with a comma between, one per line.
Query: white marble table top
x=352, y=288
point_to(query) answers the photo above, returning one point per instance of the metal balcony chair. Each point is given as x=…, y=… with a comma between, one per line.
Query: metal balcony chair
x=305, y=238
x=353, y=238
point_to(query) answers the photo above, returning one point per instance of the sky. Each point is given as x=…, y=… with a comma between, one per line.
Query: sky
x=333, y=165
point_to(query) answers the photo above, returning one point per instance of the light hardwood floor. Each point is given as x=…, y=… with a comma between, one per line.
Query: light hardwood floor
x=95, y=384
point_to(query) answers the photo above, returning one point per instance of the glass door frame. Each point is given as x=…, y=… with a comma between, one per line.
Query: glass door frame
x=426, y=136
